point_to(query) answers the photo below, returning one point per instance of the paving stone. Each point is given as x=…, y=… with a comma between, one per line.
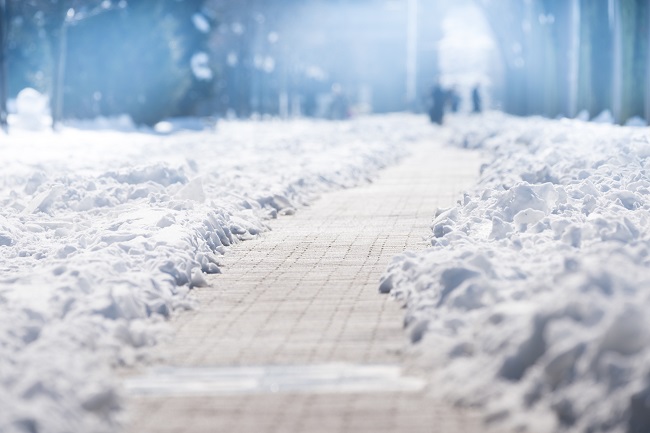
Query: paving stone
x=307, y=293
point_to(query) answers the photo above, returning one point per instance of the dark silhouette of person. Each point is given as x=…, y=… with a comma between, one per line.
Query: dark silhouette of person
x=476, y=99
x=437, y=110
x=454, y=99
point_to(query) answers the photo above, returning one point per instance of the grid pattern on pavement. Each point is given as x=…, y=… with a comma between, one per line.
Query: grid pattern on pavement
x=307, y=293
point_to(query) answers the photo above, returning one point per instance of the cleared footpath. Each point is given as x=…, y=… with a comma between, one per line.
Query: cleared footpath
x=294, y=336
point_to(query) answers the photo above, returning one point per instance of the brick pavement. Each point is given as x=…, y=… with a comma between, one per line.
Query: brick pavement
x=306, y=293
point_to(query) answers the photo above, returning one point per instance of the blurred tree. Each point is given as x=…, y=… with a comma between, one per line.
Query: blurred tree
x=538, y=41
x=194, y=27
x=614, y=57
x=4, y=22
x=506, y=19
x=647, y=63
x=596, y=57
x=560, y=19
x=151, y=59
x=233, y=46
x=28, y=55
x=139, y=61
x=633, y=54
x=54, y=17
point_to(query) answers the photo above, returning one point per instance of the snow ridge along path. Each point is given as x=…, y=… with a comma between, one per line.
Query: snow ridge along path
x=103, y=232
x=532, y=302
x=306, y=294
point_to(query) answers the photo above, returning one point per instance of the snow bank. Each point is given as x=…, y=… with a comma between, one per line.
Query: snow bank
x=32, y=110
x=533, y=300
x=102, y=234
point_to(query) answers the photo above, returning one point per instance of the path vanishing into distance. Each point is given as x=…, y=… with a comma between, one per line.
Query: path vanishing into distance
x=294, y=336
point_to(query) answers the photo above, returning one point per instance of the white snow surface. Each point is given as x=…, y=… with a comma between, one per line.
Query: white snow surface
x=103, y=233
x=200, y=64
x=533, y=300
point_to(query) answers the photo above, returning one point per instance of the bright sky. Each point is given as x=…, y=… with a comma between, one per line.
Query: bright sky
x=467, y=49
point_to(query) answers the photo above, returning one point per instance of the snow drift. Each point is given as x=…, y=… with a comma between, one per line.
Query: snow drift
x=533, y=299
x=102, y=234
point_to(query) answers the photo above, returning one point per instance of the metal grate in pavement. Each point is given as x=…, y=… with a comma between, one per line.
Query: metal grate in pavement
x=335, y=378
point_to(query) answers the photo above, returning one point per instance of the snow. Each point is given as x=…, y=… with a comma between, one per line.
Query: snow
x=604, y=117
x=636, y=121
x=103, y=233
x=532, y=300
x=200, y=64
x=32, y=110
x=201, y=23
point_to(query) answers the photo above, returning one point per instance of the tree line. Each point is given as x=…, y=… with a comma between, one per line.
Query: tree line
x=562, y=57
x=108, y=57
x=104, y=57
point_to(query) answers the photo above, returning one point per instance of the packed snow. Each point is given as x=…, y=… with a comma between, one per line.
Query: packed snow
x=103, y=233
x=532, y=301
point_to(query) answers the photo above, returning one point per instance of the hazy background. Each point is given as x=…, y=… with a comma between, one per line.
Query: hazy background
x=154, y=59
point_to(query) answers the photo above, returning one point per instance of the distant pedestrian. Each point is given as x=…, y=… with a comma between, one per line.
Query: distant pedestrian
x=437, y=110
x=454, y=99
x=476, y=99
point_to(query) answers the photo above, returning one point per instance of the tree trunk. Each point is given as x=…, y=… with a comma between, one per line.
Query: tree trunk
x=59, y=48
x=596, y=58
x=647, y=64
x=633, y=58
x=617, y=54
x=4, y=23
x=412, y=54
x=573, y=54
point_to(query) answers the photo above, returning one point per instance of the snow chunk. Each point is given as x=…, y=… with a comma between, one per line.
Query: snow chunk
x=201, y=22
x=32, y=110
x=200, y=64
x=154, y=173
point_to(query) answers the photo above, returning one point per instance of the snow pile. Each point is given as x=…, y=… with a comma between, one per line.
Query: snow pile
x=533, y=300
x=103, y=233
x=32, y=110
